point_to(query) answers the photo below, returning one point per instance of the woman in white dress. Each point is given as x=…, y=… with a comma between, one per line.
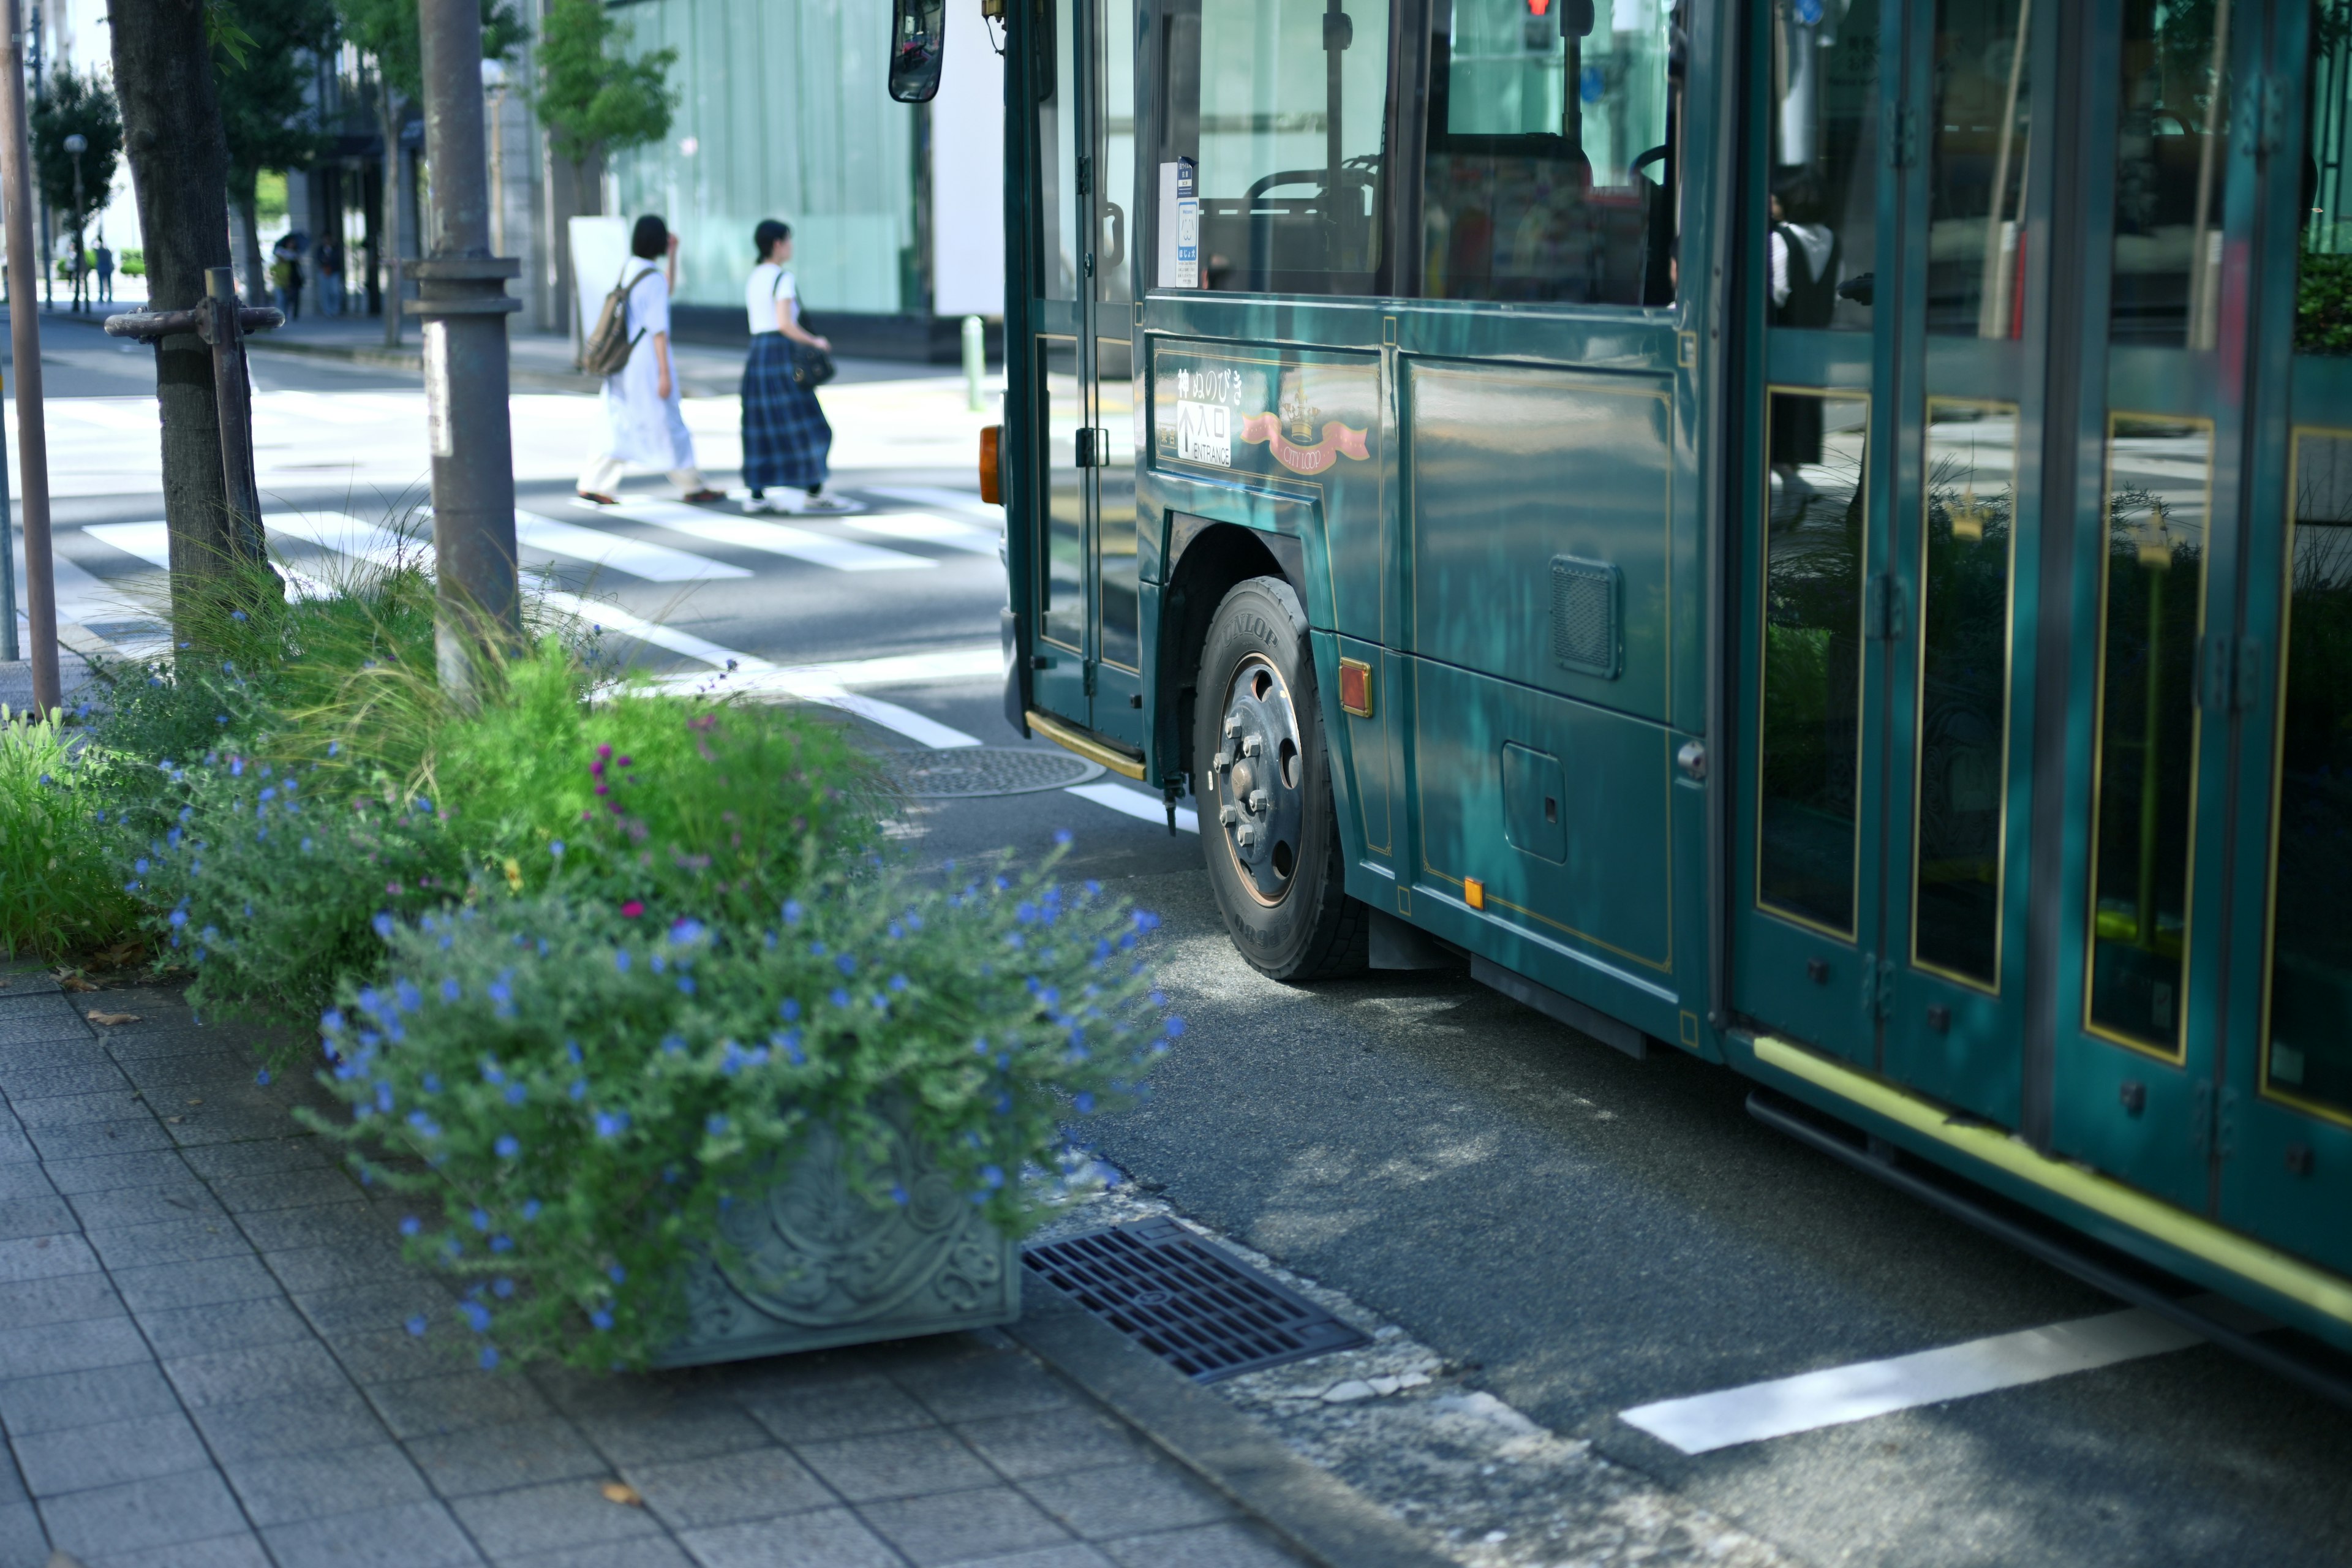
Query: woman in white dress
x=643, y=423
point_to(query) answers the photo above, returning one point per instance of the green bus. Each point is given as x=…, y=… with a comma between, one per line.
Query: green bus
x=1809, y=533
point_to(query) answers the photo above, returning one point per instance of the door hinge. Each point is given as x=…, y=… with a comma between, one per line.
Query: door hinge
x=1877, y=985
x=1090, y=678
x=1086, y=172
x=1089, y=445
x=1902, y=137
x=2229, y=673
x=1882, y=608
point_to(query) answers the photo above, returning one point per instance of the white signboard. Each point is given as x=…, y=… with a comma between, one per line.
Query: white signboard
x=599, y=248
x=1204, y=433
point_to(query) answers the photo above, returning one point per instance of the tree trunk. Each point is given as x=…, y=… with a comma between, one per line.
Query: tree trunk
x=179, y=174
x=257, y=271
x=387, y=111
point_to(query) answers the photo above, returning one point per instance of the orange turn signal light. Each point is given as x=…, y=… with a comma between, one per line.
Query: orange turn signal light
x=992, y=488
x=1474, y=893
x=1356, y=688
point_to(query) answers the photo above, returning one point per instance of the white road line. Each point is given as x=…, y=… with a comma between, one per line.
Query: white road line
x=773, y=538
x=150, y=542
x=965, y=502
x=816, y=683
x=924, y=528
x=348, y=536
x=1707, y=1422
x=638, y=558
x=1136, y=803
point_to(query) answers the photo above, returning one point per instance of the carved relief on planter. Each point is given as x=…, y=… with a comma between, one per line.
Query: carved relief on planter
x=816, y=1264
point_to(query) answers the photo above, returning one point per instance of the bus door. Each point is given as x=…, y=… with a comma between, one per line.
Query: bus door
x=1088, y=658
x=2284, y=1115
x=1809, y=802
x=2161, y=666
x=1957, y=581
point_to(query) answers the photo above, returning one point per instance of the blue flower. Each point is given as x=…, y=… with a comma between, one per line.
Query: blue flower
x=531, y=1208
x=898, y=983
x=140, y=865
x=686, y=984
x=334, y=748
x=793, y=912
x=617, y=1274
x=1085, y=1103
x=993, y=1175
x=179, y=917
x=489, y=1357
x=686, y=931
x=502, y=1244
x=481, y=1219
x=789, y=1011
x=571, y=1049
x=450, y=992
x=517, y=1094
x=262, y=1077
x=416, y=1325
x=432, y=1083
x=839, y=998
x=579, y=1088
x=611, y=1123
x=621, y=959
x=383, y=923
x=673, y=1045
x=716, y=1125
x=507, y=1148
x=602, y=1318
x=502, y=1287
x=411, y=1225
x=1175, y=1027
x=556, y=849
x=1062, y=836
x=384, y=1098
x=898, y=1194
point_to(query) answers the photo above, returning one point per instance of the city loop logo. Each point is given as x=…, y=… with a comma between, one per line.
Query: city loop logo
x=1212, y=425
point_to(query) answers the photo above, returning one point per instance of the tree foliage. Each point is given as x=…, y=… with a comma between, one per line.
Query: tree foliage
x=83, y=106
x=593, y=98
x=386, y=31
x=263, y=68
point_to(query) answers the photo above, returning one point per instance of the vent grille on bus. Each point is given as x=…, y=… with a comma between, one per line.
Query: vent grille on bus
x=1584, y=597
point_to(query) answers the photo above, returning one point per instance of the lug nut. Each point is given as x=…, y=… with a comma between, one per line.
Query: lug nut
x=1252, y=745
x=1257, y=800
x=1228, y=814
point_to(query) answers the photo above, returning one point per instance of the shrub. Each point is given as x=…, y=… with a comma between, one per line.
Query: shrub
x=58, y=888
x=266, y=875
x=583, y=1089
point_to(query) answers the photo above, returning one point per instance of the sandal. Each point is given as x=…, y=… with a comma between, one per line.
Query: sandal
x=600, y=500
x=703, y=495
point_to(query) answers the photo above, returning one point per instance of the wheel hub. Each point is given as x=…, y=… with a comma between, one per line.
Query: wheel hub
x=1259, y=772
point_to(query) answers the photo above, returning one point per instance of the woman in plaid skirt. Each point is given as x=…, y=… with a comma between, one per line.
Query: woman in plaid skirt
x=785, y=435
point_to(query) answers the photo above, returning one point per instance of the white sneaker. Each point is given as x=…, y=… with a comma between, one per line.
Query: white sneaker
x=761, y=503
x=828, y=503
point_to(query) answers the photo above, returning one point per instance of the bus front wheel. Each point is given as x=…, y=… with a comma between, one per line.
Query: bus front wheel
x=1268, y=830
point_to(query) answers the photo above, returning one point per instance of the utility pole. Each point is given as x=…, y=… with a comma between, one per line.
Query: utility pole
x=463, y=301
x=48, y=245
x=24, y=330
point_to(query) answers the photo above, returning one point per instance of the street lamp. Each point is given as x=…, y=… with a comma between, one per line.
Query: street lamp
x=77, y=144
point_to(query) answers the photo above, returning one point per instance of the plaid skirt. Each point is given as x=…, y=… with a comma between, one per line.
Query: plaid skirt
x=785, y=435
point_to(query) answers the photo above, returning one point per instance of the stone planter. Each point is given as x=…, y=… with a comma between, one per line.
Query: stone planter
x=820, y=1266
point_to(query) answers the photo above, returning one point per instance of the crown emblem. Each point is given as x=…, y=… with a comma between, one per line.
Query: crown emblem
x=1296, y=412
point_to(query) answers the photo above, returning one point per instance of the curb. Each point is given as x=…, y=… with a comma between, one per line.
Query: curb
x=1312, y=1512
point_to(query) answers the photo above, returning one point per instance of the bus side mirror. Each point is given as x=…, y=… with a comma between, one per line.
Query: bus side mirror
x=918, y=45
x=1575, y=18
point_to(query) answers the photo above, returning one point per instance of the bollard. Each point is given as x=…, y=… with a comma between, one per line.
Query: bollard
x=975, y=362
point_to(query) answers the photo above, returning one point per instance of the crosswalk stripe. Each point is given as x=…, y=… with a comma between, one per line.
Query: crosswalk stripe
x=924, y=529
x=771, y=538
x=150, y=542
x=965, y=502
x=348, y=536
x=638, y=557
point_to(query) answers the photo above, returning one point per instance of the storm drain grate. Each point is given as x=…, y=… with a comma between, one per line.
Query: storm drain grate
x=1204, y=1312
x=986, y=770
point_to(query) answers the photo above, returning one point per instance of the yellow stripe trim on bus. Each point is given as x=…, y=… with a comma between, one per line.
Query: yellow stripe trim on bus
x=1072, y=739
x=2198, y=1238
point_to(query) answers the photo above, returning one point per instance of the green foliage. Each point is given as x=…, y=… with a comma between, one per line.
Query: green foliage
x=133, y=263
x=578, y=1095
x=387, y=32
x=593, y=98
x=2323, y=304
x=269, y=196
x=84, y=106
x=264, y=72
x=59, y=890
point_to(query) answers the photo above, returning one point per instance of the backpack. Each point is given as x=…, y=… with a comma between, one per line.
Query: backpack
x=606, y=349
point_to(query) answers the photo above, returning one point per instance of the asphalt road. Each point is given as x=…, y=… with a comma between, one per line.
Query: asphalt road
x=1589, y=1232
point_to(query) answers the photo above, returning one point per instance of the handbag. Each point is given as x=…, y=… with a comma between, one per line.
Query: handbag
x=810, y=366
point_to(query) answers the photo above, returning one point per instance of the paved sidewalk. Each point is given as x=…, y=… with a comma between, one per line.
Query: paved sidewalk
x=202, y=1365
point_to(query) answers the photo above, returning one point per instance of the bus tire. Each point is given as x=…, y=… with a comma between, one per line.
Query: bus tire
x=1269, y=831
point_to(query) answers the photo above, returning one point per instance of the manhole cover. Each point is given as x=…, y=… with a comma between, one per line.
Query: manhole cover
x=987, y=770
x=1195, y=1306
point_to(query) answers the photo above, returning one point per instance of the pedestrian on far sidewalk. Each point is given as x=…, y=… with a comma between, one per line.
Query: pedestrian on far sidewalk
x=644, y=423
x=329, y=258
x=786, y=436
x=105, y=274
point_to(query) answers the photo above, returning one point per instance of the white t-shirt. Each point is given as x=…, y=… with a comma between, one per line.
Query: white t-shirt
x=769, y=284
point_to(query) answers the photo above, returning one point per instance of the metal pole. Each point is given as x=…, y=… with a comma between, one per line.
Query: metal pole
x=462, y=299
x=24, y=336
x=9, y=653
x=232, y=395
x=975, y=362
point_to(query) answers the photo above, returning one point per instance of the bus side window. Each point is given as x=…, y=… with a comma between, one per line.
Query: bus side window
x=1550, y=172
x=1284, y=106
